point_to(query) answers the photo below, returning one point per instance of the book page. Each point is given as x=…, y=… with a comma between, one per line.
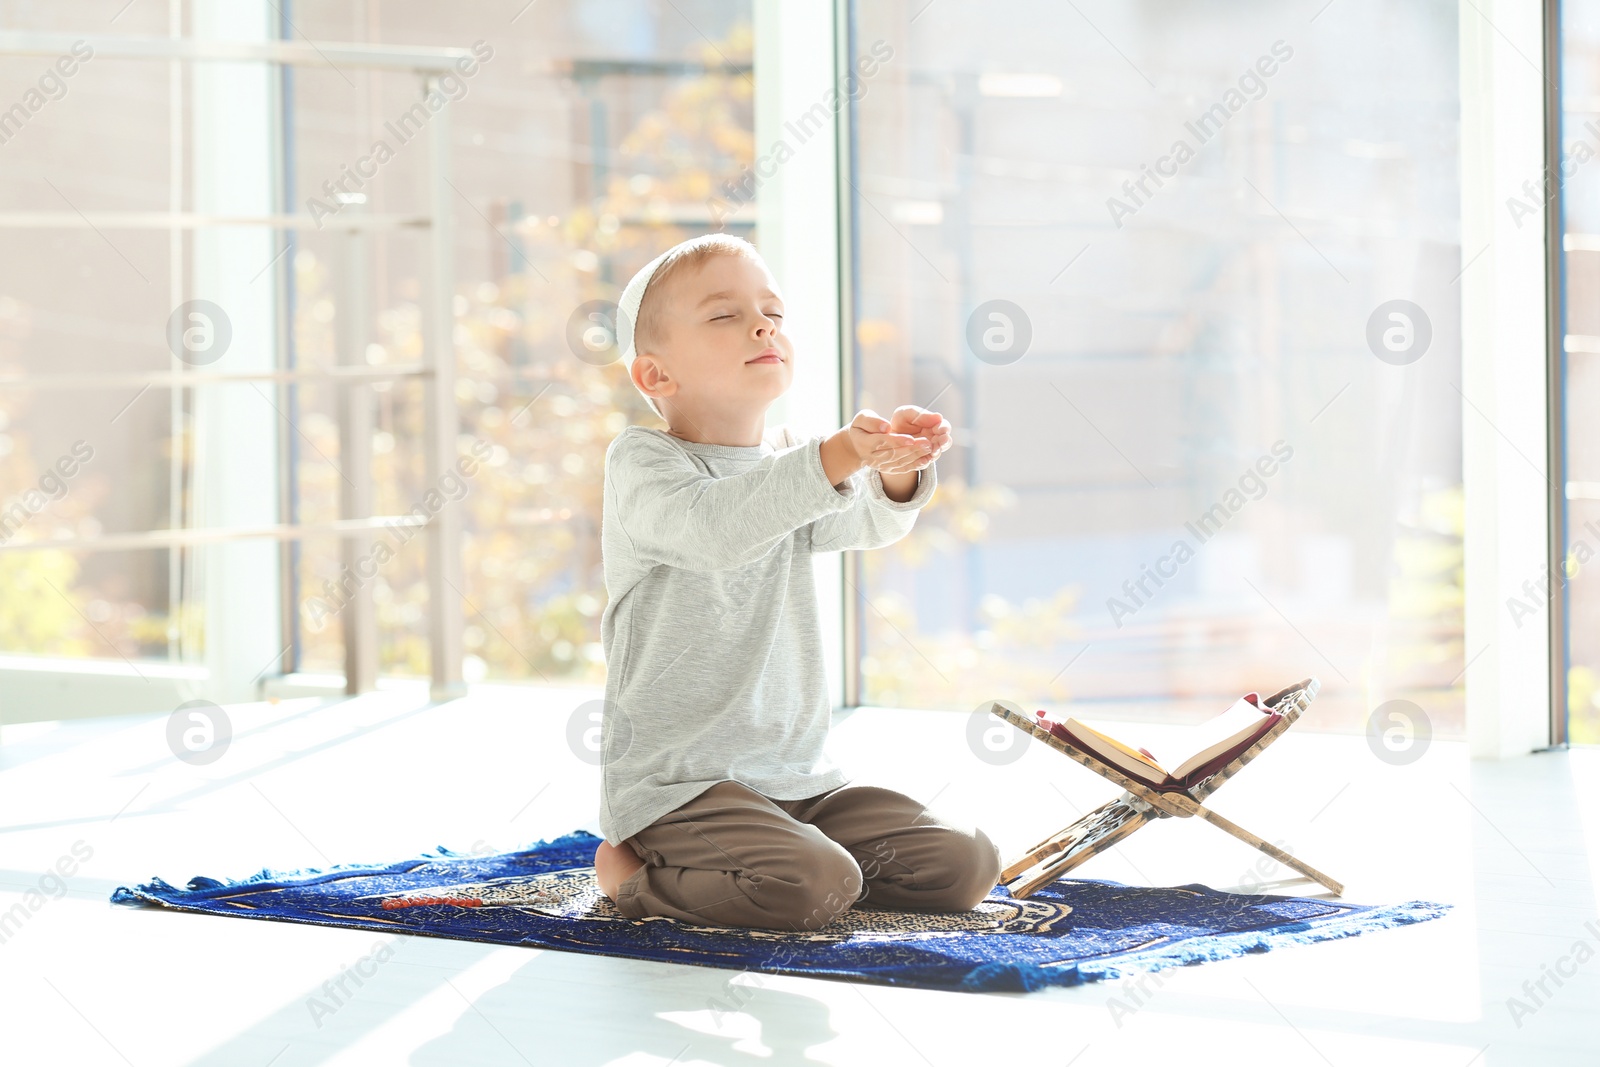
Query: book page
x=1202, y=741
x=1110, y=748
x=1216, y=736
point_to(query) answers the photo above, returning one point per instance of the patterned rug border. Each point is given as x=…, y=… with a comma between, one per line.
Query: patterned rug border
x=988, y=977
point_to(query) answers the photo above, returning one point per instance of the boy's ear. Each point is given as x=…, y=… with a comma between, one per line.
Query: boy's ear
x=647, y=371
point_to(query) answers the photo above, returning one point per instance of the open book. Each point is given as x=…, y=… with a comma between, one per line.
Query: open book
x=1214, y=745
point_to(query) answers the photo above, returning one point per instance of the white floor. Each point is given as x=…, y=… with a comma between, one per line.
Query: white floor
x=1515, y=846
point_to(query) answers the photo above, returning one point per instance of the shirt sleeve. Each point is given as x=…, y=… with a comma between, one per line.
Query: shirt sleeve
x=673, y=512
x=872, y=520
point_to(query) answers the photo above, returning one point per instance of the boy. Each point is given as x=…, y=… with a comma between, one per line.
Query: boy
x=719, y=805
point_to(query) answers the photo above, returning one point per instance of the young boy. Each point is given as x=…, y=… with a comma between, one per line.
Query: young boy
x=719, y=804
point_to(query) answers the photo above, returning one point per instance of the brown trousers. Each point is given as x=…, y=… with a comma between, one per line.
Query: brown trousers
x=732, y=857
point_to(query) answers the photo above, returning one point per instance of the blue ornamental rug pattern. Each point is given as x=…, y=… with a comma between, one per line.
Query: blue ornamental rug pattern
x=1072, y=931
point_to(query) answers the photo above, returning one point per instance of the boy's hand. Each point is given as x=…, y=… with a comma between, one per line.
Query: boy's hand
x=928, y=427
x=879, y=446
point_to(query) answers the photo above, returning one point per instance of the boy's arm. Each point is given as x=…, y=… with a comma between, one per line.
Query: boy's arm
x=899, y=487
x=875, y=519
x=674, y=513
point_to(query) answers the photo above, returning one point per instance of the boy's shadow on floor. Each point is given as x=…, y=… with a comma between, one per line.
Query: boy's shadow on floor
x=735, y=1014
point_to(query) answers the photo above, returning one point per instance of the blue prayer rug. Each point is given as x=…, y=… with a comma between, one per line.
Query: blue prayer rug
x=1072, y=931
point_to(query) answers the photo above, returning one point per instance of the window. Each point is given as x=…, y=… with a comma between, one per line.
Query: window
x=587, y=138
x=586, y=143
x=1193, y=313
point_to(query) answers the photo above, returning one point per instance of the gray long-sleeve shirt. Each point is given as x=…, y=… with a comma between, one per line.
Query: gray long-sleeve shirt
x=713, y=652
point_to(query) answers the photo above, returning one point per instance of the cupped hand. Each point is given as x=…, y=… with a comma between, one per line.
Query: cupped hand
x=883, y=449
x=929, y=427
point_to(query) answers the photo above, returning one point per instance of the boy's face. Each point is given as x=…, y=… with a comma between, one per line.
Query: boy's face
x=717, y=321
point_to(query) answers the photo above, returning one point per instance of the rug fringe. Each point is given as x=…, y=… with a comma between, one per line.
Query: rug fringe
x=1026, y=977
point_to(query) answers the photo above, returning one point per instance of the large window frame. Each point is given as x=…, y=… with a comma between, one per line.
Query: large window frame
x=1515, y=681
x=1508, y=415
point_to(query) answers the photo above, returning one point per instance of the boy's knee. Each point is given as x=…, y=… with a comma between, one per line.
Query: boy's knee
x=976, y=864
x=822, y=885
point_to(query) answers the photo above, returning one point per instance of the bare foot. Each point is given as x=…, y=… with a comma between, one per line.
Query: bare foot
x=614, y=865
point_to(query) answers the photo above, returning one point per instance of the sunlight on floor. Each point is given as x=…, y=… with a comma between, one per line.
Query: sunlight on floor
x=307, y=783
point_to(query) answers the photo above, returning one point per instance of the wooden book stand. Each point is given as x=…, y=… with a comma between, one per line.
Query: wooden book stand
x=1116, y=819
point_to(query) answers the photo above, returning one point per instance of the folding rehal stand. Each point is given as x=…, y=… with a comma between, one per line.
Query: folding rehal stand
x=1116, y=819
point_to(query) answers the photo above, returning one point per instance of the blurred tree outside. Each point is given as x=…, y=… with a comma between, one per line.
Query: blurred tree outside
x=535, y=584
